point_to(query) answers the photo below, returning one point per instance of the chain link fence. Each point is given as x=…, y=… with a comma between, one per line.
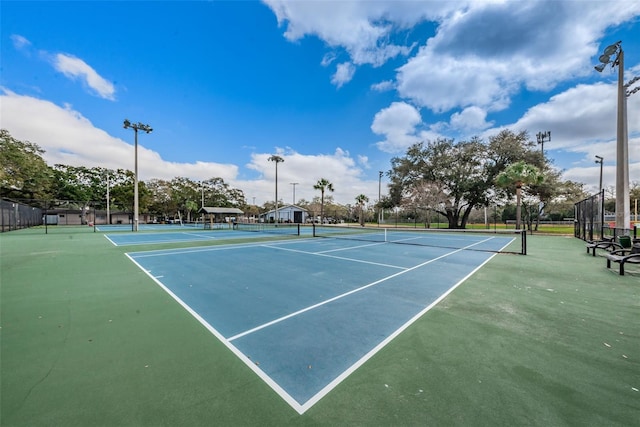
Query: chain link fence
x=15, y=215
x=589, y=218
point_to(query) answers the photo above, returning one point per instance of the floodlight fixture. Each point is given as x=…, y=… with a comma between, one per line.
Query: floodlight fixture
x=630, y=92
x=613, y=48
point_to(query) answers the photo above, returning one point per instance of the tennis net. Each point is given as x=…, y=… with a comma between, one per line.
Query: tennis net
x=266, y=227
x=505, y=241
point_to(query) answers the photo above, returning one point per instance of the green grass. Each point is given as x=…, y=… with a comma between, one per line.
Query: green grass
x=547, y=339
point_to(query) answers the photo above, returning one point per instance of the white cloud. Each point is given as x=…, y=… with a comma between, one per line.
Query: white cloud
x=361, y=28
x=20, y=42
x=69, y=138
x=76, y=68
x=344, y=74
x=384, y=86
x=306, y=170
x=474, y=59
x=470, y=120
x=582, y=120
x=328, y=59
x=398, y=124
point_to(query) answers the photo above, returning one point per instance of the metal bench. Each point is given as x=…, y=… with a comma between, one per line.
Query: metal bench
x=622, y=256
x=608, y=245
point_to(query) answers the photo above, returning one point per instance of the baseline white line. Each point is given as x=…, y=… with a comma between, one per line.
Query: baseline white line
x=337, y=297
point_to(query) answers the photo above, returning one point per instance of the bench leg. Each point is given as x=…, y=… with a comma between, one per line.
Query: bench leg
x=622, y=268
x=608, y=263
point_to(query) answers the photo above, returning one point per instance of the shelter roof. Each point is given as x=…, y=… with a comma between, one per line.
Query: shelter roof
x=216, y=210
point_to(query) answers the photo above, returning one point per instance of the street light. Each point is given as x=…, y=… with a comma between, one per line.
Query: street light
x=542, y=136
x=623, y=208
x=294, y=191
x=599, y=160
x=380, y=173
x=108, y=197
x=147, y=129
x=277, y=159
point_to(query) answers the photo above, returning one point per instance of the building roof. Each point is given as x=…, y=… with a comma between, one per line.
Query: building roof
x=215, y=210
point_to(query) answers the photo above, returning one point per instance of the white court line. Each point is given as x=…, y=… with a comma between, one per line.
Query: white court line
x=163, y=252
x=112, y=242
x=313, y=400
x=199, y=235
x=337, y=297
x=322, y=254
x=259, y=372
x=299, y=408
x=352, y=247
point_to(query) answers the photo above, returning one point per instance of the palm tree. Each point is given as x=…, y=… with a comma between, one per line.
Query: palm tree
x=519, y=174
x=277, y=159
x=361, y=200
x=322, y=185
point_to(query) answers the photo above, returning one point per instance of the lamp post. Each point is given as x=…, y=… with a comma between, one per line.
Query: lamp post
x=599, y=159
x=147, y=129
x=108, y=212
x=294, y=191
x=202, y=195
x=277, y=159
x=380, y=173
x=543, y=136
x=623, y=208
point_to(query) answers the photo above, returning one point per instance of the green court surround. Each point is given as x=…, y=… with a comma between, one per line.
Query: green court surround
x=546, y=339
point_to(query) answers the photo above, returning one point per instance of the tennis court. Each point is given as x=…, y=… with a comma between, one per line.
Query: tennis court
x=304, y=314
x=88, y=338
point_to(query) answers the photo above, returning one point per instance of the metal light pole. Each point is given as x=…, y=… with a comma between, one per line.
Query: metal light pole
x=277, y=159
x=108, y=197
x=543, y=136
x=623, y=208
x=380, y=173
x=599, y=159
x=294, y=191
x=147, y=129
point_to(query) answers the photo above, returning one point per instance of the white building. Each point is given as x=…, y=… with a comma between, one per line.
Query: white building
x=286, y=213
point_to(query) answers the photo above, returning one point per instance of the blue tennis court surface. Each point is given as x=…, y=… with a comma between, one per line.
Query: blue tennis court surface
x=304, y=314
x=157, y=238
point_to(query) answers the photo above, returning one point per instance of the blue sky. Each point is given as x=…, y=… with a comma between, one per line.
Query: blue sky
x=337, y=88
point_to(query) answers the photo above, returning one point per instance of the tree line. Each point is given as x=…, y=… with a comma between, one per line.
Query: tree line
x=444, y=177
